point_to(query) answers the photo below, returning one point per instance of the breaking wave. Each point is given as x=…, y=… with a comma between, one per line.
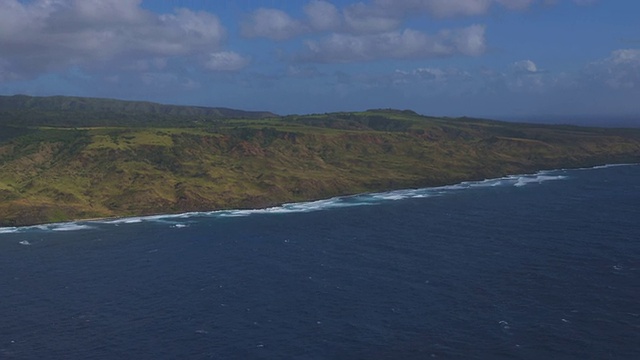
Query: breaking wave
x=368, y=199
x=58, y=227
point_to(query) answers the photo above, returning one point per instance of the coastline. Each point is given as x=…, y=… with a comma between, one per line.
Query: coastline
x=56, y=175
x=84, y=223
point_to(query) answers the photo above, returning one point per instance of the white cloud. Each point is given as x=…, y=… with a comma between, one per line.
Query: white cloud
x=525, y=66
x=125, y=11
x=467, y=41
x=619, y=73
x=361, y=19
x=323, y=15
x=272, y=24
x=430, y=73
x=50, y=35
x=526, y=76
x=446, y=8
x=226, y=61
x=407, y=44
x=365, y=17
x=438, y=8
x=621, y=70
x=625, y=57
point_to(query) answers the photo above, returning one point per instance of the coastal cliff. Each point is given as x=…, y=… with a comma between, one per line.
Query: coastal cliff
x=62, y=163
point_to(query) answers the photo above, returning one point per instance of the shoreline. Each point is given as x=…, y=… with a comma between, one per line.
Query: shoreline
x=83, y=222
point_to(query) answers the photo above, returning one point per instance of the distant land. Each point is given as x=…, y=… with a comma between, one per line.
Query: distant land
x=70, y=110
x=629, y=121
x=67, y=158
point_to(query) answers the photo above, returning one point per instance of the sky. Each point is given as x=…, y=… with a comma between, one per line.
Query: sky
x=484, y=58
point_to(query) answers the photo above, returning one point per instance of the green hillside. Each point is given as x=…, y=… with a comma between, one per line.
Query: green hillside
x=55, y=172
x=68, y=111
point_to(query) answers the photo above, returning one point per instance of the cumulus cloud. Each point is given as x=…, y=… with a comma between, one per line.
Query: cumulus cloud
x=625, y=57
x=365, y=17
x=618, y=73
x=438, y=8
x=621, y=70
x=525, y=66
x=226, y=61
x=323, y=15
x=276, y=24
x=370, y=30
x=447, y=8
x=272, y=24
x=407, y=44
x=360, y=19
x=50, y=35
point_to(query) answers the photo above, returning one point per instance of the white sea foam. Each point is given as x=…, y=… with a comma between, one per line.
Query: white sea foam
x=486, y=183
x=597, y=167
x=71, y=226
x=162, y=218
x=525, y=180
x=606, y=166
x=131, y=220
x=301, y=207
x=68, y=227
x=9, y=230
x=394, y=195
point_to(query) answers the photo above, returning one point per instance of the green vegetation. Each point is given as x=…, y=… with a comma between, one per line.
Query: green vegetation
x=68, y=168
x=67, y=111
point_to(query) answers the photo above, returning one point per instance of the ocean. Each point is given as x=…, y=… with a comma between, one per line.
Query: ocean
x=537, y=266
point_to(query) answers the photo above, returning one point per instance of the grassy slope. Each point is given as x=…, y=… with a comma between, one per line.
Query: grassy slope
x=56, y=174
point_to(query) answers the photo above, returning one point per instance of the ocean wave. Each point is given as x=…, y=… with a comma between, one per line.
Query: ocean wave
x=598, y=167
x=367, y=199
x=523, y=180
x=301, y=207
x=612, y=165
x=9, y=230
x=69, y=227
x=58, y=227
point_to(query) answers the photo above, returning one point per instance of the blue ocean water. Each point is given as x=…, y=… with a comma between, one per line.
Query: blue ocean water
x=540, y=266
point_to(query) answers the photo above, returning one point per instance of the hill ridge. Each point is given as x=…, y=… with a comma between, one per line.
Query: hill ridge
x=22, y=102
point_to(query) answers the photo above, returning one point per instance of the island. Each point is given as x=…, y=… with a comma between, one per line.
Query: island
x=69, y=158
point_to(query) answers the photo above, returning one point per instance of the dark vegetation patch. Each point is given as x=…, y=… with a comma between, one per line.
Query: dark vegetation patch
x=9, y=132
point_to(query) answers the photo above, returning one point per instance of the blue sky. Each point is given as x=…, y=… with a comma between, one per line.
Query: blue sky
x=492, y=58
